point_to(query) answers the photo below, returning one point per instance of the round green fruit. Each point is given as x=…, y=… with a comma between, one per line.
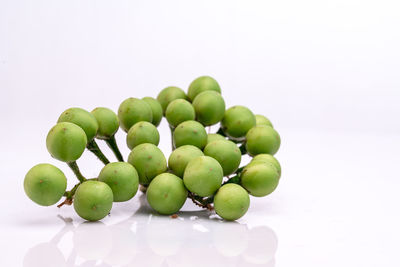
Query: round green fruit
x=262, y=140
x=190, y=133
x=262, y=120
x=122, y=178
x=155, y=108
x=142, y=132
x=66, y=141
x=93, y=200
x=209, y=107
x=45, y=184
x=178, y=111
x=169, y=94
x=181, y=156
x=226, y=153
x=267, y=158
x=133, y=110
x=166, y=193
x=237, y=121
x=259, y=179
x=231, y=202
x=214, y=137
x=83, y=119
x=108, y=122
x=201, y=84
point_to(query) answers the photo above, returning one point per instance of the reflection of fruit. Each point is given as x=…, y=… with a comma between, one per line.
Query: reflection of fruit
x=44, y=255
x=230, y=239
x=124, y=246
x=262, y=245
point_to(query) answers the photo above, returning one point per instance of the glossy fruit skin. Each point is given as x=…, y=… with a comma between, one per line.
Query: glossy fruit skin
x=237, y=121
x=169, y=94
x=231, y=202
x=267, y=158
x=149, y=161
x=93, y=200
x=203, y=176
x=201, y=84
x=190, y=133
x=209, y=107
x=262, y=140
x=66, y=141
x=181, y=156
x=262, y=120
x=133, y=110
x=83, y=119
x=166, y=193
x=45, y=184
x=122, y=178
x=178, y=111
x=226, y=153
x=142, y=132
x=108, y=122
x=259, y=179
x=214, y=137
x=155, y=108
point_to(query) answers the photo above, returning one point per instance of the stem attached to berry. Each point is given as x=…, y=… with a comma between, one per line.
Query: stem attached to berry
x=94, y=148
x=112, y=144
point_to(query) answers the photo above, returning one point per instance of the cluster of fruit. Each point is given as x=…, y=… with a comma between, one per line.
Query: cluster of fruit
x=203, y=167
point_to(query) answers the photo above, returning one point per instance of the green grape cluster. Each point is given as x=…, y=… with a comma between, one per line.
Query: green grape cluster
x=204, y=167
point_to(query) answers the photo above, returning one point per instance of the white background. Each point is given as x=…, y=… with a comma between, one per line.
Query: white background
x=325, y=72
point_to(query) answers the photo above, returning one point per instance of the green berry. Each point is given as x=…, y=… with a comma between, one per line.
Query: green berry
x=214, y=137
x=267, y=158
x=231, y=202
x=83, y=119
x=142, y=132
x=203, y=176
x=45, y=184
x=108, y=122
x=169, y=94
x=226, y=153
x=190, y=133
x=181, y=156
x=93, y=200
x=201, y=84
x=149, y=161
x=262, y=120
x=133, y=110
x=166, y=193
x=122, y=178
x=66, y=141
x=262, y=140
x=259, y=179
x=209, y=107
x=155, y=108
x=237, y=121
x=178, y=111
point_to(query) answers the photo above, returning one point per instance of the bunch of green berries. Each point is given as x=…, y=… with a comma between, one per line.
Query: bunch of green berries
x=203, y=167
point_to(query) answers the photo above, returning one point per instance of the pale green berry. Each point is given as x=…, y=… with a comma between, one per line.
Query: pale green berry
x=209, y=107
x=178, y=111
x=142, y=132
x=262, y=140
x=83, y=119
x=201, y=84
x=155, y=108
x=133, y=110
x=231, y=202
x=237, y=121
x=181, y=156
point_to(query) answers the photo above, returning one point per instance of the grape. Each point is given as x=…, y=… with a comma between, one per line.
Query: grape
x=108, y=122
x=122, y=178
x=66, y=141
x=45, y=184
x=178, y=111
x=203, y=83
x=209, y=107
x=190, y=133
x=214, y=137
x=181, y=156
x=267, y=158
x=262, y=120
x=149, y=162
x=262, y=140
x=237, y=121
x=231, y=202
x=259, y=179
x=166, y=193
x=142, y=132
x=169, y=94
x=203, y=176
x=133, y=110
x=93, y=200
x=83, y=119
x=155, y=108
x=226, y=153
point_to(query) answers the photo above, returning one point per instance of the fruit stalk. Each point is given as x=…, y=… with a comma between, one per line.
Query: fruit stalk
x=112, y=144
x=94, y=148
x=243, y=149
x=172, y=138
x=204, y=203
x=74, y=167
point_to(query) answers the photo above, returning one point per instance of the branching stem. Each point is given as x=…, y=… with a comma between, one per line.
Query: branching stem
x=112, y=144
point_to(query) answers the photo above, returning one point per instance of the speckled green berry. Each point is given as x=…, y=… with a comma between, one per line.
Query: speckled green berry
x=169, y=94
x=209, y=107
x=166, y=193
x=45, y=184
x=262, y=120
x=108, y=122
x=203, y=176
x=259, y=179
x=178, y=111
x=149, y=161
x=181, y=156
x=133, y=110
x=237, y=121
x=122, y=178
x=190, y=133
x=142, y=132
x=231, y=202
x=83, y=119
x=66, y=141
x=201, y=84
x=267, y=158
x=93, y=200
x=226, y=153
x=214, y=137
x=262, y=140
x=155, y=108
